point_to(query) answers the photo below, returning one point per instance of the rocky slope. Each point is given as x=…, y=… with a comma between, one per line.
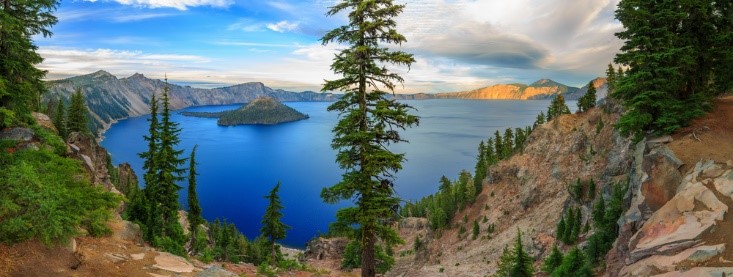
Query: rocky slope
x=110, y=99
x=526, y=192
x=680, y=192
x=679, y=222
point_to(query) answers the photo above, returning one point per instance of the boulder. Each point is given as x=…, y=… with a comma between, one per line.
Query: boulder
x=661, y=166
x=130, y=232
x=169, y=262
x=325, y=248
x=17, y=134
x=44, y=121
x=679, y=223
x=216, y=271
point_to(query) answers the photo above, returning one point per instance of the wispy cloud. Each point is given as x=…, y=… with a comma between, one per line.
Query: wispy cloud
x=176, y=4
x=139, y=17
x=256, y=44
x=246, y=25
x=283, y=26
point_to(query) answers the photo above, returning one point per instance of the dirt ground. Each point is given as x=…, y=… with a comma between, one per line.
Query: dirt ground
x=708, y=137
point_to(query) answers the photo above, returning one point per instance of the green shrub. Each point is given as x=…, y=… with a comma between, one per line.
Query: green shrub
x=44, y=198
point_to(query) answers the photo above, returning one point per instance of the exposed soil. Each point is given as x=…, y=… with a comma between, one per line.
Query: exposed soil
x=709, y=137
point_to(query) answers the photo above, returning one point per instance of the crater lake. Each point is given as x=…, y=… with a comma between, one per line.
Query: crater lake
x=238, y=165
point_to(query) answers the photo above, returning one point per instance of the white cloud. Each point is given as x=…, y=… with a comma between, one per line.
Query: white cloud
x=246, y=25
x=283, y=26
x=176, y=4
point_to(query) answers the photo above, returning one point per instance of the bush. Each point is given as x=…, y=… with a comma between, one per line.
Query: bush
x=44, y=198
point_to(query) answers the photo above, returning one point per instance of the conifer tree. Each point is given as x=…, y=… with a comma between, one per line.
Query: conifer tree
x=508, y=147
x=557, y=107
x=490, y=155
x=560, y=230
x=369, y=121
x=522, y=265
x=611, y=78
x=588, y=100
x=553, y=260
x=498, y=145
x=77, y=116
x=21, y=83
x=475, y=230
x=194, y=209
x=505, y=263
x=540, y=119
x=60, y=119
x=168, y=163
x=272, y=227
x=480, y=169
x=146, y=208
x=573, y=264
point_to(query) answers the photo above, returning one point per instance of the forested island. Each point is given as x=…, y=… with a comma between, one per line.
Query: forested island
x=261, y=111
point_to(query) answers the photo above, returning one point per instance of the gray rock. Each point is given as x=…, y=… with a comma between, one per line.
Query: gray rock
x=216, y=271
x=17, y=134
x=705, y=253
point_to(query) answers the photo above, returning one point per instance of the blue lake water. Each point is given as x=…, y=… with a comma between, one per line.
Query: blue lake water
x=238, y=165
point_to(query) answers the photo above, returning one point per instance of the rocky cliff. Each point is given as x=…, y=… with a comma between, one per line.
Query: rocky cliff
x=679, y=196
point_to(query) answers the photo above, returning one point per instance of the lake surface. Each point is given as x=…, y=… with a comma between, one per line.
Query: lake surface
x=238, y=165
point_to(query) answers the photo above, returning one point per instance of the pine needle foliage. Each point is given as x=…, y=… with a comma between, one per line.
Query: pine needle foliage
x=369, y=122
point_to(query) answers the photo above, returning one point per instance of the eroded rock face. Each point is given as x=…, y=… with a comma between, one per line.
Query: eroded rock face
x=94, y=157
x=127, y=178
x=325, y=248
x=44, y=121
x=662, y=167
x=683, y=230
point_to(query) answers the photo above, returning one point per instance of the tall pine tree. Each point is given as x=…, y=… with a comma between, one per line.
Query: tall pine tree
x=369, y=121
x=168, y=162
x=60, y=119
x=77, y=116
x=21, y=83
x=194, y=209
x=272, y=227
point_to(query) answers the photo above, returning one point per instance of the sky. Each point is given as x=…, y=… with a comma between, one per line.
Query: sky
x=458, y=44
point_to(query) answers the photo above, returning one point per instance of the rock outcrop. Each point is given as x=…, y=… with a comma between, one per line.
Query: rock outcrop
x=675, y=222
x=325, y=248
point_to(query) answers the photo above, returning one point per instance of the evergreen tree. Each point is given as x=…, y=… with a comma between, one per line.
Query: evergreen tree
x=508, y=147
x=60, y=119
x=573, y=264
x=560, y=230
x=522, y=265
x=480, y=169
x=499, y=145
x=194, y=209
x=611, y=78
x=77, y=116
x=168, y=164
x=146, y=209
x=272, y=227
x=491, y=156
x=21, y=83
x=475, y=230
x=588, y=100
x=557, y=107
x=369, y=122
x=540, y=119
x=506, y=263
x=553, y=260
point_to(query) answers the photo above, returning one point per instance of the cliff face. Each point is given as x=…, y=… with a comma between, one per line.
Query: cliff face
x=541, y=89
x=526, y=192
x=110, y=99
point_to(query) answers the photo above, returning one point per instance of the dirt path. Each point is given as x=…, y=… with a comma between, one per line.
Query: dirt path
x=708, y=137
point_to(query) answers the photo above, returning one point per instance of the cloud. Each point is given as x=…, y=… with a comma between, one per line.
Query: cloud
x=256, y=44
x=246, y=25
x=138, y=17
x=110, y=15
x=283, y=26
x=176, y=4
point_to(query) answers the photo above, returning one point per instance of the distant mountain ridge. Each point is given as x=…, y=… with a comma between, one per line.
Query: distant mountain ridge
x=110, y=98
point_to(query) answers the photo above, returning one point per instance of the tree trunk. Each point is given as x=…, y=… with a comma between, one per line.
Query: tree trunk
x=367, y=253
x=274, y=255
